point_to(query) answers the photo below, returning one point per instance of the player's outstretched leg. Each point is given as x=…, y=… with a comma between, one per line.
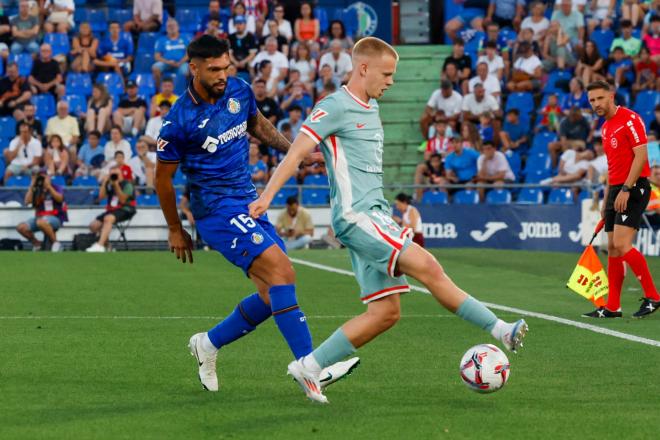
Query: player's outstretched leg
x=421, y=265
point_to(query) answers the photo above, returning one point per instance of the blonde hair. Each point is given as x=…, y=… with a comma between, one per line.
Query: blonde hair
x=372, y=47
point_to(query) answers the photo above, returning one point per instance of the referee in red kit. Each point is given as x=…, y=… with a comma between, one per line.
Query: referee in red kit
x=626, y=196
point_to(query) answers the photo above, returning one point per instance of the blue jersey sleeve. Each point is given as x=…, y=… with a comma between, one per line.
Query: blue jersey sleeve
x=160, y=45
x=171, y=142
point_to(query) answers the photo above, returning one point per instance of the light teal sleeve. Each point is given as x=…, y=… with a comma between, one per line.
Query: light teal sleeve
x=324, y=120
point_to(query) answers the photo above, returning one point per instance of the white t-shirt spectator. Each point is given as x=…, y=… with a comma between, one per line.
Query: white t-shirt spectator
x=488, y=104
x=496, y=165
x=572, y=166
x=452, y=106
x=277, y=59
x=340, y=67
x=491, y=85
x=153, y=127
x=147, y=8
x=66, y=128
x=493, y=65
x=304, y=67
x=26, y=153
x=284, y=29
x=537, y=28
x=138, y=168
x=111, y=148
x=599, y=164
x=527, y=65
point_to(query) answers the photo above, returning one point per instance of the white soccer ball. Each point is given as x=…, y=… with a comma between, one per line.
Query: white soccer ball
x=484, y=368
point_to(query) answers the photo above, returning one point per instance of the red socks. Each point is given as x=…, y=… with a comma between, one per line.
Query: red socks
x=615, y=274
x=637, y=263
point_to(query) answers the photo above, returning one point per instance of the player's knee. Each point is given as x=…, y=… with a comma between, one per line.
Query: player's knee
x=22, y=228
x=619, y=247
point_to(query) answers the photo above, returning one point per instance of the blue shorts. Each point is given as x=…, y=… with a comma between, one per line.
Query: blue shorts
x=53, y=221
x=238, y=237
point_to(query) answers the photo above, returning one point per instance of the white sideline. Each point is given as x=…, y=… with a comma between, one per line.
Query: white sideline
x=581, y=325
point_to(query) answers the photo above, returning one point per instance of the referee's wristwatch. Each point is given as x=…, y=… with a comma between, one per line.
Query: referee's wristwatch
x=625, y=188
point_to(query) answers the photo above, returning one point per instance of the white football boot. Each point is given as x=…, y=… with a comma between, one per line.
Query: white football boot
x=205, y=361
x=96, y=247
x=512, y=334
x=308, y=381
x=338, y=371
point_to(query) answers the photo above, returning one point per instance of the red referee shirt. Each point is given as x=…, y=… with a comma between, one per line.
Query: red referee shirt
x=623, y=132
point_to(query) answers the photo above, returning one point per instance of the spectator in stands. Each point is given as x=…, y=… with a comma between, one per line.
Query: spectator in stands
x=328, y=89
x=571, y=22
x=478, y=102
x=56, y=157
x=410, y=217
x=265, y=72
x=147, y=16
x=326, y=76
x=337, y=31
x=646, y=69
x=294, y=225
x=303, y=62
x=90, y=156
x=339, y=61
x=626, y=41
x=124, y=168
x=14, y=92
x=166, y=94
x=490, y=82
x=84, y=47
x=485, y=127
x=295, y=119
x=461, y=164
x=170, y=53
x=258, y=169
x=116, y=143
x=552, y=113
x=47, y=199
x=155, y=123
x=472, y=16
x=506, y=13
x=591, y=66
x=576, y=97
x=115, y=53
x=461, y=60
x=620, y=69
x=652, y=38
x=213, y=28
x=282, y=42
x=597, y=171
x=527, y=71
x=239, y=10
x=494, y=35
x=514, y=133
x=440, y=141
x=632, y=11
x=213, y=13
x=469, y=137
x=243, y=47
x=492, y=168
x=573, y=166
x=28, y=118
x=99, y=109
x=298, y=97
x=446, y=100
x=131, y=112
x=25, y=30
x=603, y=14
x=536, y=21
x=654, y=127
x=24, y=154
x=65, y=126
x=5, y=31
x=493, y=60
x=283, y=25
x=574, y=133
x=143, y=164
x=307, y=28
x=267, y=106
x=45, y=76
x=120, y=207
x=526, y=36
x=431, y=172
x=557, y=50
x=58, y=15
x=280, y=63
x=451, y=74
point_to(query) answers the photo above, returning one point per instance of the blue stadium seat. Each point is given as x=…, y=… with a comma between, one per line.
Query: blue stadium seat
x=473, y=44
x=147, y=42
x=59, y=43
x=24, y=62
x=147, y=200
x=280, y=199
x=603, y=40
x=530, y=196
x=188, y=20
x=7, y=127
x=45, y=106
x=538, y=161
x=522, y=101
x=77, y=104
x=316, y=179
x=515, y=162
x=315, y=196
x=179, y=177
x=145, y=82
x=434, y=198
x=498, y=197
x=15, y=181
x=292, y=189
x=561, y=196
x=466, y=197
x=646, y=101
x=98, y=20
x=79, y=84
x=555, y=77
x=321, y=14
x=508, y=34
x=120, y=15
x=112, y=82
x=58, y=180
x=541, y=141
x=351, y=21
x=85, y=181
x=584, y=195
x=143, y=62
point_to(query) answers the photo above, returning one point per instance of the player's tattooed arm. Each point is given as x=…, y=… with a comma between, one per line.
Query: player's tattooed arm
x=262, y=129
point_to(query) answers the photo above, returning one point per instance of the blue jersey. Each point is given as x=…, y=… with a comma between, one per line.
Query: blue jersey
x=210, y=142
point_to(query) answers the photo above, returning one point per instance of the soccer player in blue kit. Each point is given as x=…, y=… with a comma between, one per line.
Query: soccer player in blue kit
x=206, y=133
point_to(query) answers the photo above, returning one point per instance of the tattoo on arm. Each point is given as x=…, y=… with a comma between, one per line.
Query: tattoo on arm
x=262, y=129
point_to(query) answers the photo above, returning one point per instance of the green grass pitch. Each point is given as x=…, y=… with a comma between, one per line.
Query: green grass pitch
x=94, y=346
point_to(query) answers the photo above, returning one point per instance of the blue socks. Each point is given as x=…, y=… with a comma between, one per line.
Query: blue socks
x=473, y=311
x=249, y=313
x=333, y=349
x=290, y=319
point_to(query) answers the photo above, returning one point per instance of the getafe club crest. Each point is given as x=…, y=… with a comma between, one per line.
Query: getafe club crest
x=233, y=106
x=257, y=238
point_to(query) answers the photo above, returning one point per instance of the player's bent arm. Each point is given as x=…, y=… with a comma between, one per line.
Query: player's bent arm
x=261, y=128
x=641, y=157
x=165, y=190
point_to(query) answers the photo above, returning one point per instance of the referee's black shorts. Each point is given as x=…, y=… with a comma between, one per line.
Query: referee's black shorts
x=640, y=194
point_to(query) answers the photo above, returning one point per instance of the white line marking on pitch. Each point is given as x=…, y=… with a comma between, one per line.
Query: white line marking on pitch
x=593, y=328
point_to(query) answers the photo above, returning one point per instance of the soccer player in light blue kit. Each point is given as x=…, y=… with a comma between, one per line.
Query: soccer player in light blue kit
x=206, y=133
x=347, y=126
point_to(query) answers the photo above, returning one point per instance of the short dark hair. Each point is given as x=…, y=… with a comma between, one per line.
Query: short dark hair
x=259, y=81
x=514, y=111
x=596, y=85
x=118, y=152
x=459, y=42
x=165, y=103
x=167, y=79
x=292, y=200
x=94, y=133
x=488, y=144
x=625, y=23
x=403, y=197
x=491, y=44
x=295, y=107
x=434, y=155
x=285, y=126
x=207, y=46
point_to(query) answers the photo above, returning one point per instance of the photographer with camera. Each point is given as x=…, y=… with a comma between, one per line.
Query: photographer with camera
x=120, y=206
x=50, y=211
